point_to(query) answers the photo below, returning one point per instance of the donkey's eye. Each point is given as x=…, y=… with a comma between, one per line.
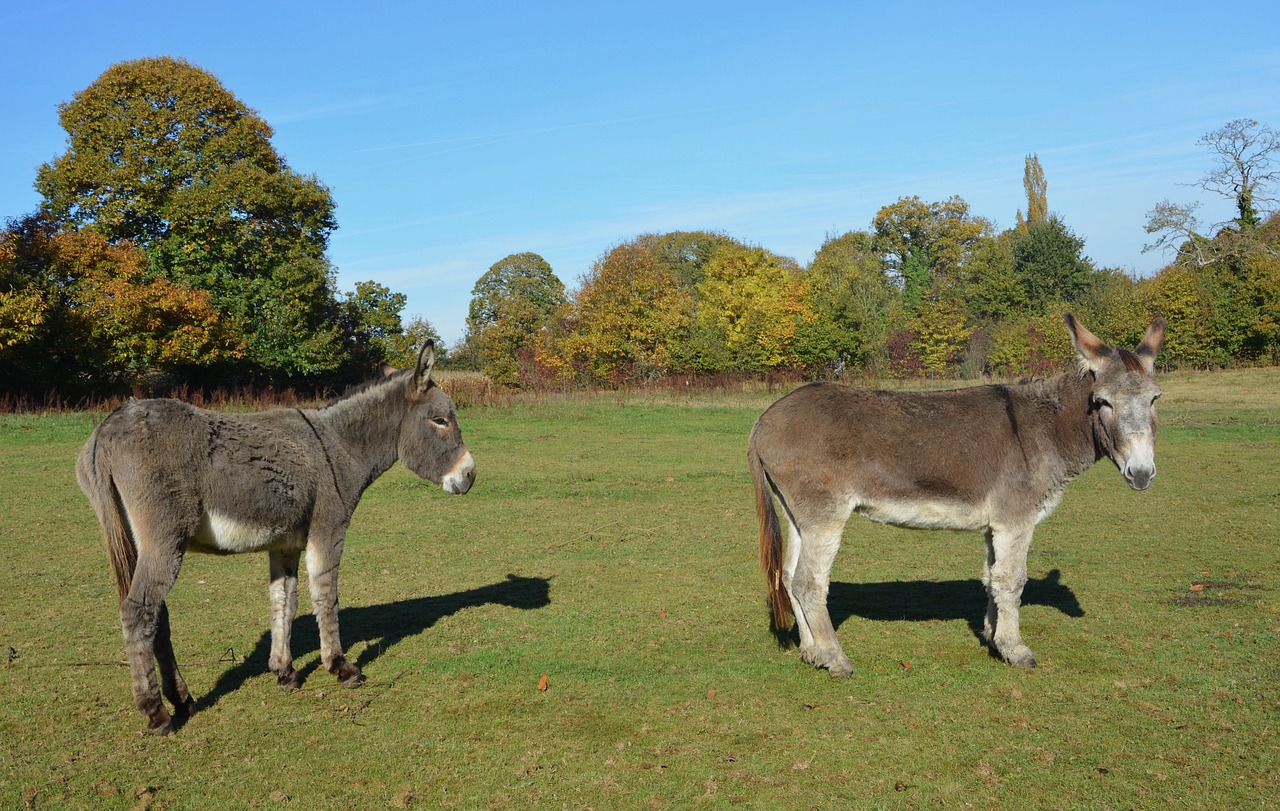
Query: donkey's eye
x=440, y=421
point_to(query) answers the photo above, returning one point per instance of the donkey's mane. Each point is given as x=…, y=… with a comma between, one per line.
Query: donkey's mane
x=358, y=389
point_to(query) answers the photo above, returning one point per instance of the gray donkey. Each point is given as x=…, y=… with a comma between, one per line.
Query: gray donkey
x=990, y=458
x=165, y=477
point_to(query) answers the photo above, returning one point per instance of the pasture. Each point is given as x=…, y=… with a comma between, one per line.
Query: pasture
x=609, y=544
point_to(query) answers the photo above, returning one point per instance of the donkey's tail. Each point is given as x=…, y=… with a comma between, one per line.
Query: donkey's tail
x=93, y=470
x=770, y=540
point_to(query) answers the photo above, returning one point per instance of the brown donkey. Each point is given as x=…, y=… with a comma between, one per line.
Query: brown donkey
x=991, y=458
x=165, y=478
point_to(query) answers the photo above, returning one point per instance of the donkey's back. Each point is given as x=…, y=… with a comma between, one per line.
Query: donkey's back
x=200, y=473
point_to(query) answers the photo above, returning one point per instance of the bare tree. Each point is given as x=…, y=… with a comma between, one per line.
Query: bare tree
x=1246, y=173
x=1246, y=152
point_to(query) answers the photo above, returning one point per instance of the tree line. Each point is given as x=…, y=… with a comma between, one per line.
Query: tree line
x=928, y=289
x=174, y=246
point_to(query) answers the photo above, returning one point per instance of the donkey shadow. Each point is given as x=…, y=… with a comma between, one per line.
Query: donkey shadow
x=924, y=600
x=381, y=627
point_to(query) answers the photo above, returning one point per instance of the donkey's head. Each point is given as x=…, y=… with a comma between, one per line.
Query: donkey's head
x=430, y=441
x=1123, y=401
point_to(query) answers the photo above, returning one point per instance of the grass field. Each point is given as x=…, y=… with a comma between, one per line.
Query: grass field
x=609, y=545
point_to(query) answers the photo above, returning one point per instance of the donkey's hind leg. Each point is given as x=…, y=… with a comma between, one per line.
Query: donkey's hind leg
x=144, y=621
x=283, y=591
x=1005, y=575
x=807, y=576
x=171, y=681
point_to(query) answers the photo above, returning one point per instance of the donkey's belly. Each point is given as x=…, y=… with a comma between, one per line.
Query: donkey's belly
x=226, y=535
x=925, y=513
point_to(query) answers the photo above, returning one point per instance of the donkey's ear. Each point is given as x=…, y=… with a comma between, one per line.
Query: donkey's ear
x=1089, y=348
x=1150, y=345
x=386, y=369
x=426, y=360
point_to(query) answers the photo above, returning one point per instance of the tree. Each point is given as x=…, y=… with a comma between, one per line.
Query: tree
x=753, y=301
x=1246, y=173
x=685, y=253
x=926, y=244
x=1246, y=152
x=510, y=303
x=630, y=317
x=853, y=303
x=95, y=316
x=371, y=322
x=403, y=347
x=1049, y=262
x=160, y=154
x=1036, y=186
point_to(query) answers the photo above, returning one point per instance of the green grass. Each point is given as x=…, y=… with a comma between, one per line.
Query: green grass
x=610, y=545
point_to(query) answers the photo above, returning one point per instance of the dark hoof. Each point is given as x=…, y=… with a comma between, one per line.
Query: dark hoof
x=352, y=681
x=289, y=681
x=348, y=674
x=161, y=724
x=184, y=710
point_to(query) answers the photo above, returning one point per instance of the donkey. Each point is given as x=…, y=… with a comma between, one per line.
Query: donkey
x=165, y=477
x=993, y=458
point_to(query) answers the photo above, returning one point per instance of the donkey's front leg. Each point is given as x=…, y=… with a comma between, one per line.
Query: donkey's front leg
x=323, y=556
x=284, y=607
x=1005, y=575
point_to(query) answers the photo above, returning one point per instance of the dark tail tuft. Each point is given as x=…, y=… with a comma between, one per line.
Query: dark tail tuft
x=770, y=544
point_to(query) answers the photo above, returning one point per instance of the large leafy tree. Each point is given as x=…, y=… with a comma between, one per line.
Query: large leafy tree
x=853, y=302
x=630, y=317
x=79, y=314
x=1049, y=262
x=162, y=155
x=510, y=304
x=925, y=245
x=755, y=302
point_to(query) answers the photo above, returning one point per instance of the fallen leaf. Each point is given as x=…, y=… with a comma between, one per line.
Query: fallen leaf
x=1197, y=587
x=543, y=684
x=663, y=613
x=711, y=693
x=905, y=665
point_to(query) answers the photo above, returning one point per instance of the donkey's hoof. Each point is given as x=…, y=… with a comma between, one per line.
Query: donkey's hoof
x=1021, y=656
x=836, y=662
x=348, y=674
x=352, y=681
x=289, y=681
x=840, y=671
x=160, y=724
x=184, y=709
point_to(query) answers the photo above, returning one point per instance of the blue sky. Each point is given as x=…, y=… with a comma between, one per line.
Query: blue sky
x=452, y=134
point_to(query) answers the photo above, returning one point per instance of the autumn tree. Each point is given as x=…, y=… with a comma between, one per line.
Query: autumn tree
x=94, y=316
x=161, y=155
x=510, y=304
x=925, y=244
x=630, y=316
x=753, y=302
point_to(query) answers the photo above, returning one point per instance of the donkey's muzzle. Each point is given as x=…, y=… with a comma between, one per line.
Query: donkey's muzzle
x=459, y=479
x=1139, y=478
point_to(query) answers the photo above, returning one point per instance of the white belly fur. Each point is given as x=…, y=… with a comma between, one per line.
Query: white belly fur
x=925, y=514
x=227, y=535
